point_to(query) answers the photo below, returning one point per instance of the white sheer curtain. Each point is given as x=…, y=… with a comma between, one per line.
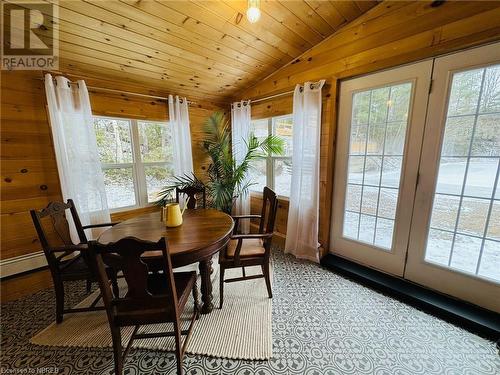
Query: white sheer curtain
x=181, y=135
x=76, y=151
x=240, y=133
x=303, y=211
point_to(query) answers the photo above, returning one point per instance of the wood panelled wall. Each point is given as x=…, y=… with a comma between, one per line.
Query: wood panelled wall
x=390, y=34
x=28, y=167
x=29, y=171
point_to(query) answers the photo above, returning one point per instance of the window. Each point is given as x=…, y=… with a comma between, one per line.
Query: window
x=136, y=158
x=274, y=171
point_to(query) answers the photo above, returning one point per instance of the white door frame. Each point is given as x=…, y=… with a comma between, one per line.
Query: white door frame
x=392, y=261
x=467, y=287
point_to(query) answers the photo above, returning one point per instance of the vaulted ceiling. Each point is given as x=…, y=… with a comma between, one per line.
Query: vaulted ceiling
x=205, y=50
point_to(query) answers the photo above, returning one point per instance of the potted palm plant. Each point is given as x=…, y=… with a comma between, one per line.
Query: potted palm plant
x=225, y=179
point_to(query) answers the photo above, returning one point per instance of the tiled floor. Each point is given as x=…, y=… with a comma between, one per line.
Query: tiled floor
x=322, y=324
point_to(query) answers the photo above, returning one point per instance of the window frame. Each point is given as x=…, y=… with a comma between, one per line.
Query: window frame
x=271, y=159
x=138, y=165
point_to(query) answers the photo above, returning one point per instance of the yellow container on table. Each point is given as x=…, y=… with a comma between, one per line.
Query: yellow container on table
x=172, y=214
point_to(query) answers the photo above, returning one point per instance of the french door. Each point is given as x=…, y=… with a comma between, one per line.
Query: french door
x=381, y=122
x=455, y=237
x=417, y=191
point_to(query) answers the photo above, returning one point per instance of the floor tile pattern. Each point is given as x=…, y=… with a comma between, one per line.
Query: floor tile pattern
x=323, y=323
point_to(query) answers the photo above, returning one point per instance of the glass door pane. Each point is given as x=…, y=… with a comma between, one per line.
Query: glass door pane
x=378, y=130
x=464, y=232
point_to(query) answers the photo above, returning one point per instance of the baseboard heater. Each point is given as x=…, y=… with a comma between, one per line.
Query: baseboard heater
x=465, y=315
x=22, y=265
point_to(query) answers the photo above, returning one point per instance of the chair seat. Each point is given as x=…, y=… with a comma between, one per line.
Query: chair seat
x=77, y=270
x=184, y=281
x=158, y=309
x=250, y=247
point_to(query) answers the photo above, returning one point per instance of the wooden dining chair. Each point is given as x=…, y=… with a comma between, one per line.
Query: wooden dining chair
x=66, y=261
x=151, y=298
x=193, y=194
x=245, y=250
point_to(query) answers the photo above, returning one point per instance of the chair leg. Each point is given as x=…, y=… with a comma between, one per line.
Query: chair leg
x=117, y=350
x=243, y=271
x=221, y=286
x=89, y=285
x=265, y=271
x=59, y=289
x=114, y=285
x=196, y=301
x=178, y=348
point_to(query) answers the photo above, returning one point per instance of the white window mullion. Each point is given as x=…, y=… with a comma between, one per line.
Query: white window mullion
x=139, y=176
x=116, y=166
x=155, y=164
x=270, y=161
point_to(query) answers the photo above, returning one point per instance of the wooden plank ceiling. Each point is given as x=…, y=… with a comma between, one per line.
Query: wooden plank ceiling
x=205, y=50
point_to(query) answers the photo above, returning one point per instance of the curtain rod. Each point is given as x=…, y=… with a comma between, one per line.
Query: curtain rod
x=133, y=93
x=122, y=92
x=312, y=84
x=272, y=96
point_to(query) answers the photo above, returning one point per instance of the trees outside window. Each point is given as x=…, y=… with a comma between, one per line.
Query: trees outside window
x=136, y=158
x=274, y=171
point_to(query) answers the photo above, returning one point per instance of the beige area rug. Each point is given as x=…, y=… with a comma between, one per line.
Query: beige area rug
x=241, y=330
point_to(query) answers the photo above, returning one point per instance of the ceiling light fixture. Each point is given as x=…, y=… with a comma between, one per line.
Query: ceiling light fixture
x=253, y=11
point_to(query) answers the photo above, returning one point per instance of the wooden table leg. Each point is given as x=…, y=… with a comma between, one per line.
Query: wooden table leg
x=206, y=286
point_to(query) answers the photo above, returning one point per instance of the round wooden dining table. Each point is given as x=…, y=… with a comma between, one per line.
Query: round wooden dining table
x=202, y=234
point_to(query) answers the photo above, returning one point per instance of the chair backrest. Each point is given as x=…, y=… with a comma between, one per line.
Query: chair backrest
x=193, y=193
x=126, y=255
x=269, y=210
x=55, y=214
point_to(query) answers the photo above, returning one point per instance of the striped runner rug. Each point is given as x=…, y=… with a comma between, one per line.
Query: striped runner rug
x=241, y=330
